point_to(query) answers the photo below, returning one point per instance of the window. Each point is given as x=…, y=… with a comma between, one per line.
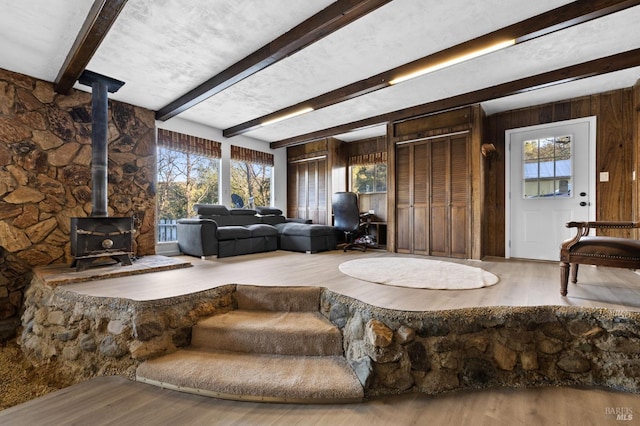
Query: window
x=188, y=174
x=250, y=177
x=368, y=178
x=547, y=167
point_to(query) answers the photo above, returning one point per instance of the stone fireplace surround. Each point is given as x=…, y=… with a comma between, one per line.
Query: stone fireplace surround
x=45, y=179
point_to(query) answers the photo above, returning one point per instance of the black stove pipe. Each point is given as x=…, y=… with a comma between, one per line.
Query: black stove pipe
x=100, y=87
x=99, y=148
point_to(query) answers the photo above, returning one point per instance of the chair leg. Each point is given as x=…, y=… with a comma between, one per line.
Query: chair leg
x=574, y=273
x=564, y=278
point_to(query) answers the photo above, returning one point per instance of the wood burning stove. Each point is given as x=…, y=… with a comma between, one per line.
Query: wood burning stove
x=98, y=235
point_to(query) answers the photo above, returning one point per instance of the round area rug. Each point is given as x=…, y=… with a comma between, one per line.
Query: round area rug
x=418, y=273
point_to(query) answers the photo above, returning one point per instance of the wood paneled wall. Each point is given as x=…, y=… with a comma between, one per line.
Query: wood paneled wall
x=617, y=117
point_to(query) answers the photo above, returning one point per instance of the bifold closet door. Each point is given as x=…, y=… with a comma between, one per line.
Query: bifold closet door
x=432, y=197
x=449, y=194
x=309, y=180
x=412, y=198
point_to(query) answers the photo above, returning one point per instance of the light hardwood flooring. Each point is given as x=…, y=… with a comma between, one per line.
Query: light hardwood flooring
x=117, y=401
x=522, y=283
x=113, y=400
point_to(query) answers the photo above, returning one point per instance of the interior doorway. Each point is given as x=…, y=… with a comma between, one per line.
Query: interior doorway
x=550, y=180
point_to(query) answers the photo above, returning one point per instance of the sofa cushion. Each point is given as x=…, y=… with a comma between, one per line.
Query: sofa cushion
x=211, y=209
x=262, y=230
x=233, y=232
x=268, y=211
x=272, y=219
x=303, y=229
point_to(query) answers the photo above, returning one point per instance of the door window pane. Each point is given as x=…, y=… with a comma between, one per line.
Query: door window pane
x=547, y=169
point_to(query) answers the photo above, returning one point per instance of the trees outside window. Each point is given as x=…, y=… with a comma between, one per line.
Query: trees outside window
x=368, y=178
x=184, y=179
x=251, y=182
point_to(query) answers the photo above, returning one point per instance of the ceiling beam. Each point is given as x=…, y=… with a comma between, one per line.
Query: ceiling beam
x=101, y=17
x=323, y=23
x=592, y=68
x=554, y=20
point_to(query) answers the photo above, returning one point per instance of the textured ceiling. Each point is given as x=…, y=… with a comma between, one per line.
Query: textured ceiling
x=164, y=48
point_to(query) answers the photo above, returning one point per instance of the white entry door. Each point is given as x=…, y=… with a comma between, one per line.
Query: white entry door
x=550, y=181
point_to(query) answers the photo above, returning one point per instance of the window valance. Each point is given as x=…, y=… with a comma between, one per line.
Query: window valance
x=371, y=158
x=190, y=144
x=251, y=156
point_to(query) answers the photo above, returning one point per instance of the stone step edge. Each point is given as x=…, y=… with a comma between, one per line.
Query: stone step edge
x=331, y=335
x=348, y=390
x=247, y=398
x=270, y=298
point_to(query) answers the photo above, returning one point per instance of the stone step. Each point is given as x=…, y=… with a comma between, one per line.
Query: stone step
x=255, y=377
x=280, y=333
x=287, y=299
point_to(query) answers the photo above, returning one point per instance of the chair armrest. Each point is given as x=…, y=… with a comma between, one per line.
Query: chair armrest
x=603, y=225
x=583, y=229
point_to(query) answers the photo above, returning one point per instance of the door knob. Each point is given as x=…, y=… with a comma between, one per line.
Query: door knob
x=583, y=194
x=583, y=203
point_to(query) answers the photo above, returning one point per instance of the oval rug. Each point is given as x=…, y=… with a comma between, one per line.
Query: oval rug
x=418, y=273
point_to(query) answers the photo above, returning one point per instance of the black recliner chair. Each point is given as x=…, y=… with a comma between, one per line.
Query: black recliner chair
x=347, y=218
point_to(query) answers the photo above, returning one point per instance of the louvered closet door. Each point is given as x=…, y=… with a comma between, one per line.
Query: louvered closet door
x=308, y=196
x=432, y=197
x=449, y=196
x=312, y=192
x=439, y=177
x=420, y=198
x=404, y=217
x=322, y=213
x=412, y=203
x=301, y=190
x=460, y=200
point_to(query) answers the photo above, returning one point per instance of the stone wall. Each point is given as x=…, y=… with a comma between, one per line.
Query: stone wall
x=45, y=178
x=392, y=352
x=76, y=337
x=395, y=352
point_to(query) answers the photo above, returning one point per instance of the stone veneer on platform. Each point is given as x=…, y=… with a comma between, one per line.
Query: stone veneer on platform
x=391, y=351
x=45, y=178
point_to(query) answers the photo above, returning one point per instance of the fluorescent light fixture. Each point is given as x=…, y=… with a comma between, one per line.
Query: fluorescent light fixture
x=453, y=61
x=287, y=116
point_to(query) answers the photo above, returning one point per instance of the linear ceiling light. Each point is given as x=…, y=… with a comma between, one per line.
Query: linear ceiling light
x=287, y=116
x=453, y=61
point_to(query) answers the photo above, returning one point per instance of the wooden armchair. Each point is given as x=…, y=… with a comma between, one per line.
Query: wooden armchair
x=597, y=250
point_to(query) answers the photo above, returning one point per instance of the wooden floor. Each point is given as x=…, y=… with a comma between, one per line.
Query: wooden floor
x=117, y=401
x=522, y=283
x=113, y=400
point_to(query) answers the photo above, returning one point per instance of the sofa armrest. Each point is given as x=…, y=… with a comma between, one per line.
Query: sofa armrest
x=198, y=237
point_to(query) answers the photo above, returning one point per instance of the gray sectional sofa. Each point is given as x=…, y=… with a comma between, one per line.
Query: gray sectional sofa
x=219, y=231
